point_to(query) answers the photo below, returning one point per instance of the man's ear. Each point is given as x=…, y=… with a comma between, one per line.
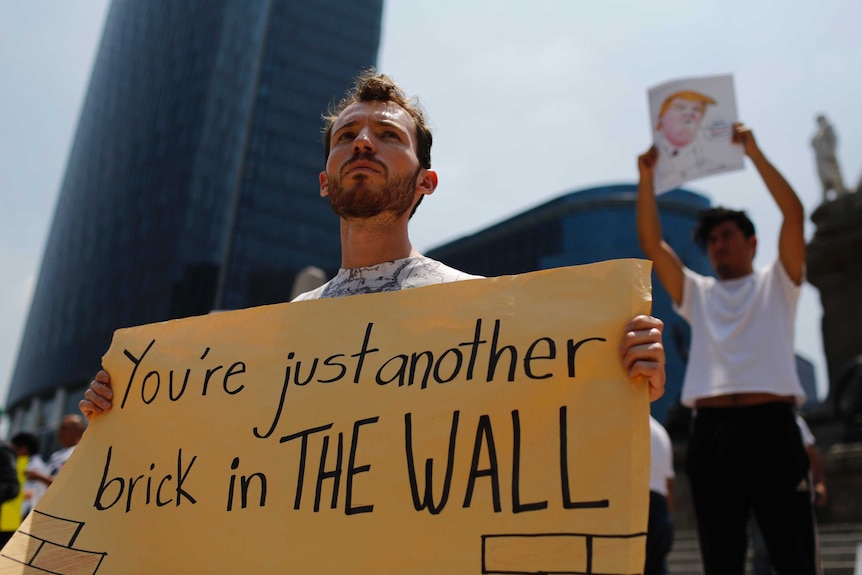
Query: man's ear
x=752, y=242
x=426, y=182
x=324, y=185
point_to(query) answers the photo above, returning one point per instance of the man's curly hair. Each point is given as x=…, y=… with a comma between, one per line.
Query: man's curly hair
x=370, y=87
x=708, y=219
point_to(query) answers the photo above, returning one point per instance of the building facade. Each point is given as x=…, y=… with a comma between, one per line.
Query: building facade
x=589, y=226
x=191, y=183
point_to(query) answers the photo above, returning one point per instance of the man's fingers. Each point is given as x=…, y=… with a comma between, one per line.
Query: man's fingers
x=648, y=158
x=98, y=398
x=644, y=322
x=643, y=329
x=88, y=408
x=651, y=352
x=99, y=394
x=654, y=374
x=643, y=353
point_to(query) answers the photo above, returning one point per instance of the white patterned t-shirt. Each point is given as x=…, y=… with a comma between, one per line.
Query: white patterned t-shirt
x=410, y=272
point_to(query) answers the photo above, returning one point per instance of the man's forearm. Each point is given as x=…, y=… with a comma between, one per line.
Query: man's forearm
x=648, y=222
x=781, y=191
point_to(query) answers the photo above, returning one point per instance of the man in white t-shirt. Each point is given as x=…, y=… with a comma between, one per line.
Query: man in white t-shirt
x=378, y=168
x=68, y=436
x=745, y=453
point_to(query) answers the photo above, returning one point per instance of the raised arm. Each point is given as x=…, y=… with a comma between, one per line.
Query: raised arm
x=791, y=240
x=667, y=264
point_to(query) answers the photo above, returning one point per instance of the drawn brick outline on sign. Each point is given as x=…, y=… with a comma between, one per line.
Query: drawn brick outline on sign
x=55, y=548
x=491, y=568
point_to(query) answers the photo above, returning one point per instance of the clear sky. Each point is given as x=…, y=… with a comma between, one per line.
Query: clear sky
x=528, y=100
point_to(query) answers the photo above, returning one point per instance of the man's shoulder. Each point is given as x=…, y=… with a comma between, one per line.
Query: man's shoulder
x=697, y=277
x=36, y=463
x=312, y=294
x=433, y=271
x=62, y=454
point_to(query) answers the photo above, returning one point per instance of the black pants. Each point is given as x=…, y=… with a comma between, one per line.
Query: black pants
x=745, y=460
x=659, y=535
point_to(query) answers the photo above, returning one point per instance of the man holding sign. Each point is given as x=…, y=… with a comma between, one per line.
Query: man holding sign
x=378, y=169
x=745, y=453
x=371, y=390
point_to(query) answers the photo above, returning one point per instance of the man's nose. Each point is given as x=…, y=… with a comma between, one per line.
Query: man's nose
x=363, y=142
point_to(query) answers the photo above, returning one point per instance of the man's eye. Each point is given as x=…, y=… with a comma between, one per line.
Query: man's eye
x=391, y=134
x=344, y=136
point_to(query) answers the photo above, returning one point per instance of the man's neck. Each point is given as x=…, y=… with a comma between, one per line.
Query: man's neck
x=734, y=274
x=374, y=241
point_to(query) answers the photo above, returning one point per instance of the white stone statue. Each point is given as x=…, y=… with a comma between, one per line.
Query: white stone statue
x=824, y=143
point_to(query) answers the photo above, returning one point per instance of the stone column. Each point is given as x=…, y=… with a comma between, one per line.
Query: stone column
x=834, y=266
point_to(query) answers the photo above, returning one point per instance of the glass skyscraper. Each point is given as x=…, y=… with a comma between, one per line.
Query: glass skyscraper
x=192, y=180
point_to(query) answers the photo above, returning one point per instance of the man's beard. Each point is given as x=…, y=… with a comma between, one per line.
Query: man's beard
x=360, y=202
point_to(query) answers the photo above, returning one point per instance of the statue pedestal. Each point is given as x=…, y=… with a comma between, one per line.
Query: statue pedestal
x=834, y=266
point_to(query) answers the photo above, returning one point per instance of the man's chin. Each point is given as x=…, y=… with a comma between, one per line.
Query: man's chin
x=357, y=214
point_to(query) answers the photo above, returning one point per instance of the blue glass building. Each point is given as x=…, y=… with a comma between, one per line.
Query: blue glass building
x=589, y=226
x=192, y=180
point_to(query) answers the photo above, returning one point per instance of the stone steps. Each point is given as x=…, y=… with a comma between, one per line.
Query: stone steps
x=838, y=548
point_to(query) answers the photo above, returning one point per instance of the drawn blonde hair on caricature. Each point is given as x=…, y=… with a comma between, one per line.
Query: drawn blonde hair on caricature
x=689, y=95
